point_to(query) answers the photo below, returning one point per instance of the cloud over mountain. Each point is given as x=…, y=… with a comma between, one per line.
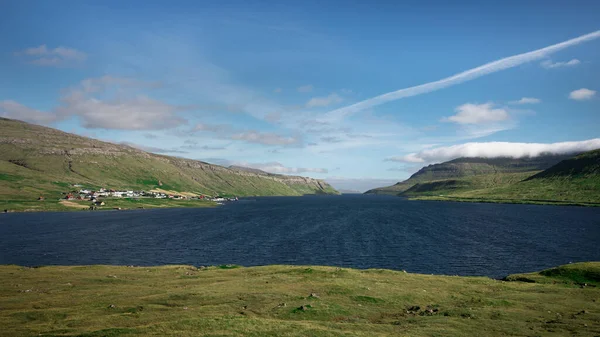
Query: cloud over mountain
x=496, y=149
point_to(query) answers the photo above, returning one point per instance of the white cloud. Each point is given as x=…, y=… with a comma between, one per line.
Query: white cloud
x=331, y=139
x=477, y=114
x=105, y=103
x=273, y=117
x=266, y=138
x=14, y=110
x=226, y=131
x=211, y=127
x=548, y=64
x=582, y=94
x=128, y=110
x=59, y=56
x=527, y=100
x=496, y=149
x=305, y=88
x=324, y=101
x=471, y=74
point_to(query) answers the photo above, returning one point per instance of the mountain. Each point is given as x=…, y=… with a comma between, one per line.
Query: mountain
x=572, y=180
x=37, y=160
x=468, y=167
x=584, y=165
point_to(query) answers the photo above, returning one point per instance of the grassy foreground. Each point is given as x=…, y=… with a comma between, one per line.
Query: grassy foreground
x=294, y=301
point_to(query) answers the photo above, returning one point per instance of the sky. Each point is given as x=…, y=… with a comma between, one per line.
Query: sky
x=361, y=94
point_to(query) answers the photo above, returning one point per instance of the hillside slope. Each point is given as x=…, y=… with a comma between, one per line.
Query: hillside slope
x=469, y=167
x=574, y=180
x=36, y=160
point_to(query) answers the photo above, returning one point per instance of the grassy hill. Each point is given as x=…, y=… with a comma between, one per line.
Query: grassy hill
x=460, y=168
x=36, y=160
x=563, y=180
x=294, y=301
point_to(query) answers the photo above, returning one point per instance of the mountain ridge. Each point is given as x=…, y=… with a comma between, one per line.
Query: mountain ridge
x=472, y=166
x=37, y=160
x=572, y=181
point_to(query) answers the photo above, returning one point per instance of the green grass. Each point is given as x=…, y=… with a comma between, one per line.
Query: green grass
x=577, y=273
x=578, y=191
x=278, y=301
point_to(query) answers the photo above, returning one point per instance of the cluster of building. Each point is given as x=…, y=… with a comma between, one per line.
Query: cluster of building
x=86, y=194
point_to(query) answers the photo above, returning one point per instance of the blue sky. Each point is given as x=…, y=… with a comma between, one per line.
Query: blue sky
x=292, y=88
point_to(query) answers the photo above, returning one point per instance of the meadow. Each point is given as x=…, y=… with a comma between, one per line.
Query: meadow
x=229, y=300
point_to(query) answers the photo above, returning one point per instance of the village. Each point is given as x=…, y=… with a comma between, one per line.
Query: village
x=99, y=198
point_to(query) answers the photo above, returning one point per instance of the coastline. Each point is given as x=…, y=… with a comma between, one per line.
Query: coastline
x=505, y=201
x=21, y=206
x=100, y=300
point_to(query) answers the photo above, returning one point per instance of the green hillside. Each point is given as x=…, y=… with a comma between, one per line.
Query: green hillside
x=294, y=301
x=462, y=168
x=571, y=180
x=36, y=160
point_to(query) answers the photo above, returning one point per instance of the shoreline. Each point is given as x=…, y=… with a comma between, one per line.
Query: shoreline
x=20, y=206
x=504, y=201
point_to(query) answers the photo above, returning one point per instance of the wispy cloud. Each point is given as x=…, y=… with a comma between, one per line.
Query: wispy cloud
x=59, y=56
x=477, y=114
x=270, y=167
x=266, y=138
x=95, y=102
x=324, y=101
x=471, y=74
x=548, y=64
x=527, y=100
x=105, y=103
x=330, y=139
x=212, y=127
x=15, y=110
x=305, y=88
x=582, y=94
x=495, y=150
x=227, y=131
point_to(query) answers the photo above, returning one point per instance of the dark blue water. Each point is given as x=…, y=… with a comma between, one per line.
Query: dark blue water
x=351, y=231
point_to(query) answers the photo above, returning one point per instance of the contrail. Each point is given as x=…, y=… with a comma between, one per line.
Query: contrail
x=471, y=74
